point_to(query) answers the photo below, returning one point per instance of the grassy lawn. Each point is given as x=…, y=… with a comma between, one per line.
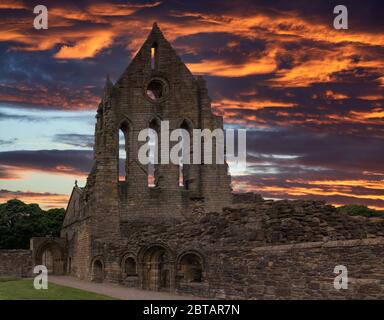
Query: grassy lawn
x=12, y=289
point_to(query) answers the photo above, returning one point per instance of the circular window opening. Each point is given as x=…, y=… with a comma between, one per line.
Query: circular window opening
x=156, y=90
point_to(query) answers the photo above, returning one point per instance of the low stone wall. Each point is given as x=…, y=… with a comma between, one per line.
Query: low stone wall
x=254, y=249
x=15, y=263
x=301, y=271
x=268, y=250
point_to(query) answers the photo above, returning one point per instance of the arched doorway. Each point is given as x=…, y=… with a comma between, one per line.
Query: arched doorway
x=51, y=255
x=156, y=268
x=97, y=270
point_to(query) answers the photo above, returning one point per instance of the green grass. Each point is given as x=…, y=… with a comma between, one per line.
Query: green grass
x=24, y=290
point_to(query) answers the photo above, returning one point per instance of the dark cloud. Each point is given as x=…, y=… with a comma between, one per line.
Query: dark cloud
x=7, y=142
x=18, y=193
x=76, y=140
x=319, y=149
x=59, y=161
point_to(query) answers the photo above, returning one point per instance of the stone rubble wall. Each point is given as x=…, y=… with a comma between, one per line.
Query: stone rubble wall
x=15, y=263
x=260, y=249
x=302, y=271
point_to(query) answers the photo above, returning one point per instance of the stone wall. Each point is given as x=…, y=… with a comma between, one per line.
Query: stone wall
x=78, y=246
x=15, y=263
x=302, y=271
x=259, y=250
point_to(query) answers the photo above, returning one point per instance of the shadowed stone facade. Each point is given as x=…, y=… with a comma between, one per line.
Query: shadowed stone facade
x=198, y=237
x=103, y=217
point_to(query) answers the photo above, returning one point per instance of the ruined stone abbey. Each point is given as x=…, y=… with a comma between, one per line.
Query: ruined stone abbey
x=185, y=231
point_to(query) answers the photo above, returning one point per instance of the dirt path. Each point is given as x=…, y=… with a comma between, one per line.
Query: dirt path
x=116, y=291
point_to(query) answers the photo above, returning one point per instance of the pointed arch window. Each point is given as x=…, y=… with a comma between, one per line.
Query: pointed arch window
x=153, y=167
x=122, y=156
x=124, y=148
x=184, y=164
x=154, y=55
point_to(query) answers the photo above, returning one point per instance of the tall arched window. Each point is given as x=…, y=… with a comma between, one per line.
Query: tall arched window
x=124, y=145
x=184, y=166
x=122, y=156
x=154, y=56
x=153, y=167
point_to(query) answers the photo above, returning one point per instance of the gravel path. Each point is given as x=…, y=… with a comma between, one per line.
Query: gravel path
x=117, y=291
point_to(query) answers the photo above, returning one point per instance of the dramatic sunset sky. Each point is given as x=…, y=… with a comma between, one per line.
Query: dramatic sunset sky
x=311, y=97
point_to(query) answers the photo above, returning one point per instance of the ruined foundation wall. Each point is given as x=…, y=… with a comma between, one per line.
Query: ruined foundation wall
x=302, y=271
x=15, y=263
x=260, y=249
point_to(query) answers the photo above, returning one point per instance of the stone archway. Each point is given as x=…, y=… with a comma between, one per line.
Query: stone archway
x=97, y=270
x=157, y=268
x=51, y=255
x=129, y=266
x=190, y=267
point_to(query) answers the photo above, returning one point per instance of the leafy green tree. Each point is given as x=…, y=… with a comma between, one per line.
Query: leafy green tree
x=360, y=210
x=19, y=222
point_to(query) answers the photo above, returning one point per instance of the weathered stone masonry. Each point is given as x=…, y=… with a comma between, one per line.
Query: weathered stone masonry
x=198, y=238
x=15, y=263
x=256, y=250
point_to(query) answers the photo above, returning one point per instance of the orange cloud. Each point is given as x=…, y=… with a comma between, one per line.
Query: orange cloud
x=287, y=25
x=39, y=95
x=374, y=114
x=335, y=96
x=325, y=189
x=12, y=4
x=110, y=22
x=304, y=191
x=87, y=47
x=45, y=199
x=266, y=64
x=311, y=65
x=254, y=104
x=381, y=79
x=20, y=173
x=369, y=184
x=9, y=173
x=115, y=9
x=371, y=97
x=316, y=66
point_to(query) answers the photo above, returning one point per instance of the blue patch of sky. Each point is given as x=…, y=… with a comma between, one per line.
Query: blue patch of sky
x=36, y=129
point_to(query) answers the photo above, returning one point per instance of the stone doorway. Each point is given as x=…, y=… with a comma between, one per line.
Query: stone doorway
x=157, y=269
x=97, y=271
x=51, y=255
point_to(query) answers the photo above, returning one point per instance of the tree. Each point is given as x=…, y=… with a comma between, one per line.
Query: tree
x=19, y=222
x=360, y=210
